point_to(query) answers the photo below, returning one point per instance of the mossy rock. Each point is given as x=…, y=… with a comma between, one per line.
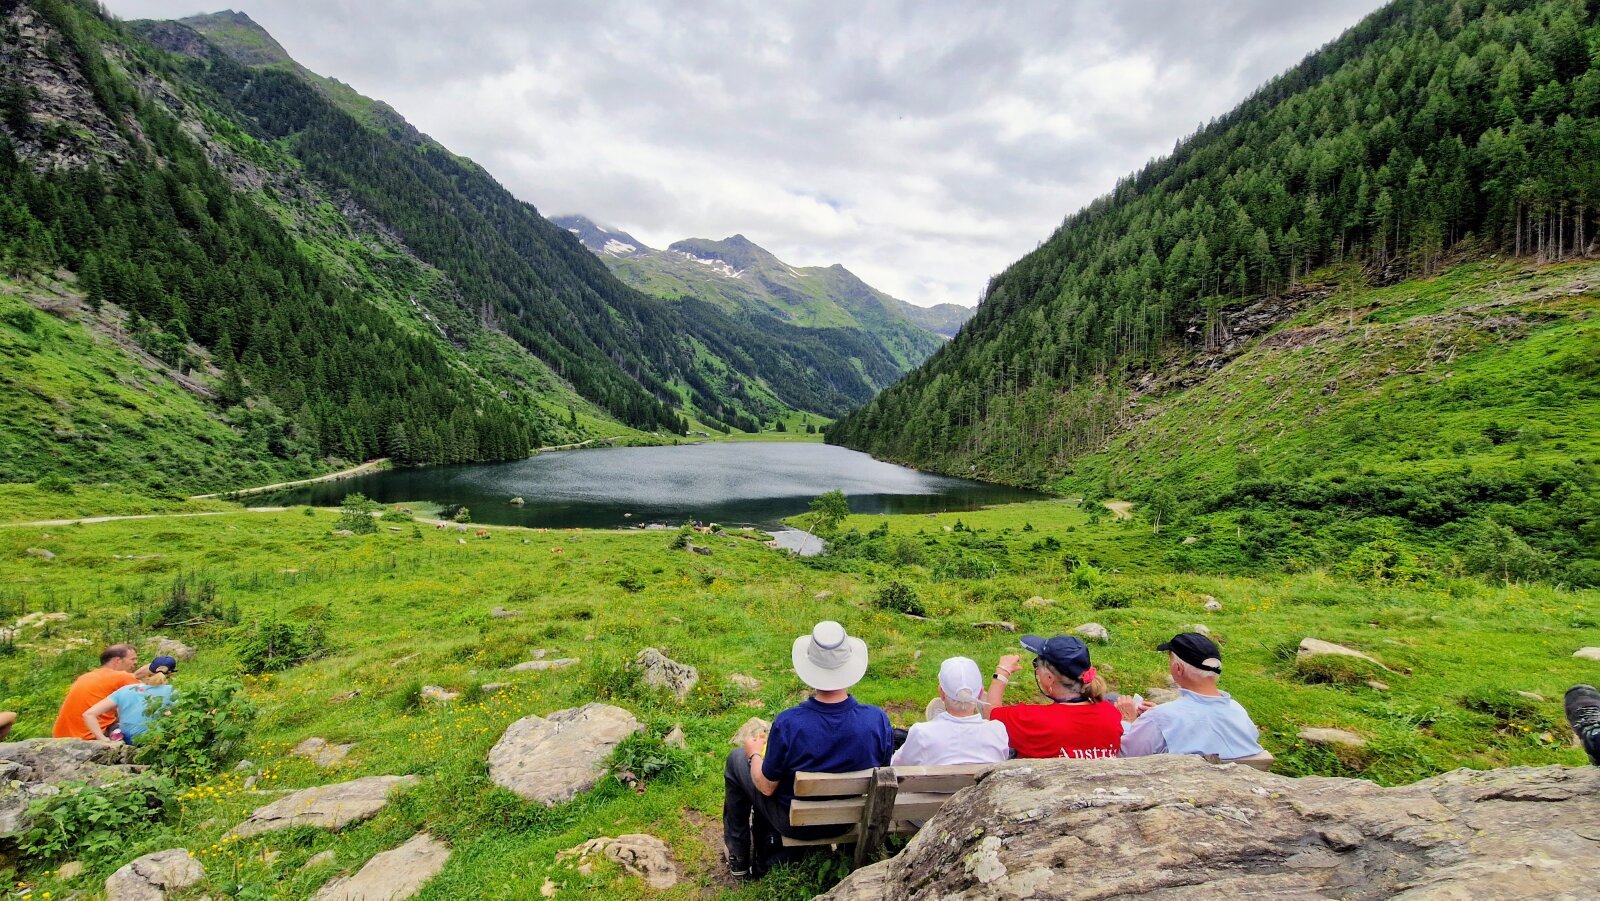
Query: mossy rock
x=1338, y=669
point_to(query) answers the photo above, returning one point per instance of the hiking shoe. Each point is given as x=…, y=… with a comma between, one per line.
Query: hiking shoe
x=1583, y=714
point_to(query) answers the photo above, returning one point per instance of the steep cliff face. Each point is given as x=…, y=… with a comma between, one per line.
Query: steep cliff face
x=49, y=106
x=1178, y=827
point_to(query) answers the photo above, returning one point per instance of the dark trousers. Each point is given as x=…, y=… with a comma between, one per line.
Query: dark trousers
x=750, y=819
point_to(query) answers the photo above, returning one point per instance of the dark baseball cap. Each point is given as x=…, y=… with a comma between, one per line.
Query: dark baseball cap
x=1067, y=653
x=1196, y=650
x=164, y=664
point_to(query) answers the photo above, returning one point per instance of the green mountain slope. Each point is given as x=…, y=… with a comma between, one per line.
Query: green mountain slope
x=744, y=279
x=1426, y=134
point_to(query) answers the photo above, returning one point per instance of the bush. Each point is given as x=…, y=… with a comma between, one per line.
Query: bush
x=1384, y=560
x=1085, y=576
x=682, y=538
x=1112, y=598
x=899, y=597
x=631, y=583
x=201, y=733
x=93, y=822
x=273, y=645
x=191, y=598
x=642, y=758
x=355, y=514
x=397, y=516
x=54, y=485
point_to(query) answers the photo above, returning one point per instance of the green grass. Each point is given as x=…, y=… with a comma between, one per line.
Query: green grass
x=406, y=610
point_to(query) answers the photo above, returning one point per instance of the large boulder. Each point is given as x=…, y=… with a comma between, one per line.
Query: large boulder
x=551, y=759
x=153, y=876
x=657, y=670
x=1162, y=827
x=324, y=806
x=394, y=875
x=31, y=769
x=1316, y=647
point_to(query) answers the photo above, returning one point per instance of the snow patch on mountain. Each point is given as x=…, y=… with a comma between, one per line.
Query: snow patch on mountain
x=720, y=267
x=618, y=248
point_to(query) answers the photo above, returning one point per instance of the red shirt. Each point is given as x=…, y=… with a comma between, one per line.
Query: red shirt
x=1079, y=731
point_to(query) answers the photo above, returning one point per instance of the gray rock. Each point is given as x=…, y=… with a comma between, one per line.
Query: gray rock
x=639, y=855
x=153, y=876
x=324, y=806
x=393, y=875
x=30, y=770
x=1212, y=605
x=1313, y=647
x=69, y=871
x=752, y=726
x=1201, y=628
x=439, y=694
x=744, y=683
x=320, y=752
x=1375, y=685
x=1045, y=828
x=1321, y=736
x=343, y=532
x=1038, y=602
x=698, y=549
x=1190, y=539
x=823, y=595
x=318, y=859
x=539, y=666
x=676, y=738
x=657, y=670
x=1093, y=632
x=173, y=648
x=503, y=613
x=1532, y=696
x=490, y=688
x=41, y=553
x=1000, y=625
x=1587, y=653
x=551, y=759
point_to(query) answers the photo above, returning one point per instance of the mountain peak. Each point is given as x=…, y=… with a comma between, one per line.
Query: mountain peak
x=239, y=36
x=600, y=239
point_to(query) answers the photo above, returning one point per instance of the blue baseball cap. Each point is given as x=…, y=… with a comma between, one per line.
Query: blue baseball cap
x=164, y=664
x=1067, y=653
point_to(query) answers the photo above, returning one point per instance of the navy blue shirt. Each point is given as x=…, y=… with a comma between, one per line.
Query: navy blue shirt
x=813, y=737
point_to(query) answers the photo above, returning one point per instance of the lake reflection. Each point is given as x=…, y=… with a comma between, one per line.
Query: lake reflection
x=730, y=483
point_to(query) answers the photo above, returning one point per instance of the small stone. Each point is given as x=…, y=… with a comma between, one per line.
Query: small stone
x=657, y=670
x=1532, y=696
x=752, y=727
x=69, y=871
x=549, y=888
x=639, y=855
x=746, y=683
x=1161, y=695
x=41, y=553
x=320, y=752
x=503, y=613
x=699, y=549
x=1375, y=685
x=823, y=595
x=1093, y=631
x=244, y=764
x=318, y=859
x=1212, y=605
x=539, y=666
x=1190, y=539
x=490, y=688
x=345, y=696
x=439, y=694
x=343, y=532
x=1038, y=602
x=172, y=648
x=1587, y=653
x=153, y=876
x=1321, y=736
x=1201, y=628
x=676, y=738
x=1001, y=625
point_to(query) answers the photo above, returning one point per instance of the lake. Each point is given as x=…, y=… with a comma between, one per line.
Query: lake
x=733, y=483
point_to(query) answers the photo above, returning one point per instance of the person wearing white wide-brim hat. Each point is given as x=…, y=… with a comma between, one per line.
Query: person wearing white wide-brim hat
x=829, y=732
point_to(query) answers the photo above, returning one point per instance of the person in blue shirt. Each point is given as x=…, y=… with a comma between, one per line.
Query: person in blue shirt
x=1203, y=720
x=135, y=703
x=829, y=732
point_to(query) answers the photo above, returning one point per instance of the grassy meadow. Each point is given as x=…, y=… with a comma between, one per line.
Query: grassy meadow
x=406, y=607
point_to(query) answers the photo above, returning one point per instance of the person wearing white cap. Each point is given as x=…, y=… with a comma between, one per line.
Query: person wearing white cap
x=957, y=734
x=829, y=732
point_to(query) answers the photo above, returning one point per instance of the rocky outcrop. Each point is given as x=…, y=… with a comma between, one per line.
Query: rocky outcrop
x=324, y=806
x=657, y=670
x=551, y=759
x=639, y=855
x=1316, y=647
x=153, y=876
x=69, y=128
x=394, y=875
x=1178, y=827
x=31, y=769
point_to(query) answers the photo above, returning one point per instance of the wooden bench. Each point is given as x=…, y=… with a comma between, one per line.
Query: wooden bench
x=892, y=800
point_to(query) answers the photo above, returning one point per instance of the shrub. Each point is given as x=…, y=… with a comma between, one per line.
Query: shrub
x=191, y=598
x=355, y=514
x=462, y=515
x=272, y=645
x=1337, y=669
x=642, y=758
x=54, y=485
x=201, y=733
x=1112, y=597
x=408, y=697
x=681, y=539
x=397, y=516
x=959, y=563
x=900, y=598
x=1085, y=576
x=93, y=822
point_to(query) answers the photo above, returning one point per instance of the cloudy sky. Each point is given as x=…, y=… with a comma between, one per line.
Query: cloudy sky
x=924, y=144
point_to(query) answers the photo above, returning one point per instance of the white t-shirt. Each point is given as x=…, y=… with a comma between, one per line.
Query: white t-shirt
x=947, y=739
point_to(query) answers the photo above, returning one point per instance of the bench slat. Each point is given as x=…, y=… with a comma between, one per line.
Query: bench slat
x=848, y=838
x=842, y=811
x=911, y=778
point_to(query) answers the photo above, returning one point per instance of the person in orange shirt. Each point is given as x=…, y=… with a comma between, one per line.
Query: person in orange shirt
x=117, y=666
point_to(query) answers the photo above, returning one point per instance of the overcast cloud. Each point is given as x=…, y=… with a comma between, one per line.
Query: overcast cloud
x=924, y=145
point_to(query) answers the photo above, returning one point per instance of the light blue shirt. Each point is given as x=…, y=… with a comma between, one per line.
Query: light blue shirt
x=1193, y=724
x=133, y=702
